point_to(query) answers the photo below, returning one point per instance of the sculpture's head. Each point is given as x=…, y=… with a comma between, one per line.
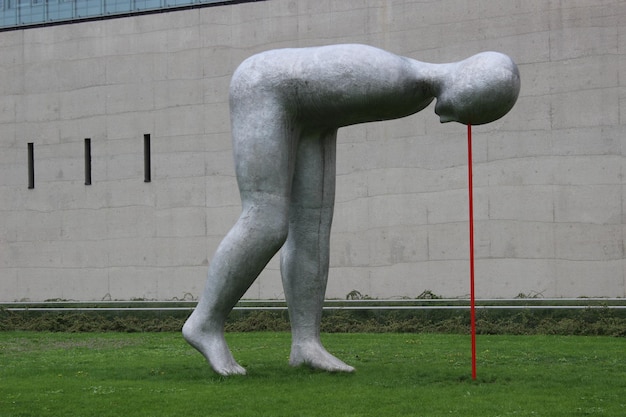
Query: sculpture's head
x=479, y=89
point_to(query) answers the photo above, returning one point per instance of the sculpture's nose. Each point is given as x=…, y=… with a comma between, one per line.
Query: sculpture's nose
x=446, y=118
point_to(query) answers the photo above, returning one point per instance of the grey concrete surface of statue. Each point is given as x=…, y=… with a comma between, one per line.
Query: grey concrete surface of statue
x=286, y=106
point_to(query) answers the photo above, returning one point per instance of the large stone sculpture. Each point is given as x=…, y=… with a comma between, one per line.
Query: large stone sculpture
x=286, y=106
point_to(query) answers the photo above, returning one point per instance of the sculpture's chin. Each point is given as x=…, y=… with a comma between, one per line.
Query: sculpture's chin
x=479, y=115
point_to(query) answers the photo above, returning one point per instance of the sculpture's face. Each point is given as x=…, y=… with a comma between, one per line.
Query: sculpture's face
x=478, y=90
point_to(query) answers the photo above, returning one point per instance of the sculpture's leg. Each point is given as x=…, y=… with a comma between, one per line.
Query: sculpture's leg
x=264, y=161
x=239, y=259
x=305, y=255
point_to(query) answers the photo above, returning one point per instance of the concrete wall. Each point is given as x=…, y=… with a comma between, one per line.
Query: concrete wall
x=549, y=186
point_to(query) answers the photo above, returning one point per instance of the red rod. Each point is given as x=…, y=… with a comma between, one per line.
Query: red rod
x=471, y=248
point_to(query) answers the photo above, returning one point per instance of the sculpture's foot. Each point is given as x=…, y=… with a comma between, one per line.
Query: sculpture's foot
x=213, y=347
x=313, y=354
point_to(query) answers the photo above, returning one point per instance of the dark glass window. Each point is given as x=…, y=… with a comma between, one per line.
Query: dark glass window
x=21, y=13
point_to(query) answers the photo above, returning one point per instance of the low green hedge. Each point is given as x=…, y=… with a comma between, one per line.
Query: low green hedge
x=589, y=321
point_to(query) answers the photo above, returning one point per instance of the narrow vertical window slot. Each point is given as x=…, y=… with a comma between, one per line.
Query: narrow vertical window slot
x=147, y=175
x=31, y=165
x=87, y=161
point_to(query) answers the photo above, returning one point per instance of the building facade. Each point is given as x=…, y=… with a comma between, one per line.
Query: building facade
x=117, y=180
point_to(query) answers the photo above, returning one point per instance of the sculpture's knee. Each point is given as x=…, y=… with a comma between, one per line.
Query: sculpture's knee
x=268, y=225
x=275, y=235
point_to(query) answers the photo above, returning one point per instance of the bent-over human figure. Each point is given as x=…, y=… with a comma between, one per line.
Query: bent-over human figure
x=286, y=107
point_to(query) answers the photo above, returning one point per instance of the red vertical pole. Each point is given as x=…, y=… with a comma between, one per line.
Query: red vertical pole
x=471, y=248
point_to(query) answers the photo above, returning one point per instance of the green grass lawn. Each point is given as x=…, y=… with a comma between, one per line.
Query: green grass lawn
x=158, y=374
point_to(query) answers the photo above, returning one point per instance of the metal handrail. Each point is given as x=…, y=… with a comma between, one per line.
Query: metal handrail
x=374, y=304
